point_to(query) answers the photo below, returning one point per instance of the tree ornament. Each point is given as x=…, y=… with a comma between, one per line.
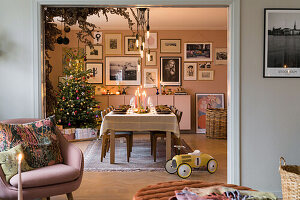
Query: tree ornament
x=77, y=98
x=69, y=124
x=67, y=29
x=66, y=40
x=59, y=40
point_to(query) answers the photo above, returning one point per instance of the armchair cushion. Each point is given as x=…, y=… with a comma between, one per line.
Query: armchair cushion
x=45, y=176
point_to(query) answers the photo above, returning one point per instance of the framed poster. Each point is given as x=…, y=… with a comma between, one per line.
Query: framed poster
x=282, y=43
x=97, y=72
x=97, y=37
x=123, y=70
x=220, y=56
x=152, y=61
x=170, y=46
x=206, y=75
x=204, y=101
x=151, y=43
x=150, y=78
x=170, y=70
x=190, y=71
x=94, y=54
x=197, y=51
x=130, y=46
x=113, y=44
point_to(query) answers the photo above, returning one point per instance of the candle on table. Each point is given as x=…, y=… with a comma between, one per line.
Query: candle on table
x=20, y=188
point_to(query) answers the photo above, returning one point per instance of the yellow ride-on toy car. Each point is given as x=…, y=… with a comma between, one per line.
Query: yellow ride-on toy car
x=183, y=164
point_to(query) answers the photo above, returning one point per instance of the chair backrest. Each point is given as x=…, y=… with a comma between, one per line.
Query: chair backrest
x=109, y=109
x=178, y=115
x=103, y=112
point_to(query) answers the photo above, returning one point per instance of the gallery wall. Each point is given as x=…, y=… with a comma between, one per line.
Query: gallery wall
x=217, y=38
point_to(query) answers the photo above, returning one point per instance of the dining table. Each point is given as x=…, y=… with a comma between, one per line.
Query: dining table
x=139, y=122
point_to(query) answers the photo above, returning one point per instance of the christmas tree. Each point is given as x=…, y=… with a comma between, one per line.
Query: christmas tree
x=75, y=99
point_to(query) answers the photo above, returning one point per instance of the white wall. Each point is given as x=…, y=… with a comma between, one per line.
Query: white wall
x=270, y=111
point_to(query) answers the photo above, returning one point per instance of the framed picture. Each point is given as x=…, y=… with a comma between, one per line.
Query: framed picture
x=281, y=45
x=61, y=79
x=190, y=71
x=130, y=46
x=220, y=56
x=150, y=78
x=123, y=70
x=204, y=101
x=153, y=58
x=151, y=43
x=197, y=51
x=170, y=46
x=205, y=75
x=97, y=72
x=98, y=37
x=170, y=70
x=94, y=54
x=113, y=43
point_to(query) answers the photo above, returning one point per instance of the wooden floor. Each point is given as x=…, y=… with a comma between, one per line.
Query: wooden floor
x=123, y=185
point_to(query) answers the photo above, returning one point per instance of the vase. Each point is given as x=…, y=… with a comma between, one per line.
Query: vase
x=157, y=92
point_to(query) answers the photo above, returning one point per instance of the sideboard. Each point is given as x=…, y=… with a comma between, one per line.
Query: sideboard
x=181, y=102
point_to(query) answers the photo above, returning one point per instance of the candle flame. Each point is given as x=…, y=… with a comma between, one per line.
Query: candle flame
x=20, y=157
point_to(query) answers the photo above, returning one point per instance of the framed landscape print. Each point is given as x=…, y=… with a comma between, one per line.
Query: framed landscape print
x=282, y=43
x=170, y=70
x=204, y=101
x=206, y=75
x=197, y=51
x=151, y=43
x=122, y=70
x=220, y=56
x=94, y=54
x=153, y=58
x=113, y=43
x=150, y=78
x=170, y=46
x=97, y=72
x=190, y=71
x=130, y=46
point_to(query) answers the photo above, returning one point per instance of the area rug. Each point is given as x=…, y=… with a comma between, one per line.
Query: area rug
x=140, y=160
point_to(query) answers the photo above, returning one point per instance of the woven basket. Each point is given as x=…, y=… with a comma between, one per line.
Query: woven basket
x=216, y=123
x=290, y=180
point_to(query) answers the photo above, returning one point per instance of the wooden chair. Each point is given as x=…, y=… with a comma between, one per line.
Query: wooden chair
x=106, y=140
x=156, y=134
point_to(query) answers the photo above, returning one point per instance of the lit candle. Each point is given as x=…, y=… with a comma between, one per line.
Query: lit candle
x=144, y=99
x=20, y=189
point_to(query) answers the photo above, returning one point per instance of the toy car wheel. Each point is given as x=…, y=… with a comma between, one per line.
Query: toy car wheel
x=184, y=170
x=169, y=168
x=212, y=166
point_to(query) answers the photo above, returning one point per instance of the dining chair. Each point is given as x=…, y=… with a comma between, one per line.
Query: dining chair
x=128, y=135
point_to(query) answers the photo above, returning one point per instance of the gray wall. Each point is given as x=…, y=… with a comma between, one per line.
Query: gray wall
x=269, y=107
x=270, y=111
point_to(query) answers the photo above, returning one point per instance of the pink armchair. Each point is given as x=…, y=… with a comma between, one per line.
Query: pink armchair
x=47, y=181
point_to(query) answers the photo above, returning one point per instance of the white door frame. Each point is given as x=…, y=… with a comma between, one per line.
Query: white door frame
x=233, y=69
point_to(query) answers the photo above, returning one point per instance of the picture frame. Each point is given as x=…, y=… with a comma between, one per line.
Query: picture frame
x=97, y=72
x=113, y=44
x=170, y=70
x=190, y=71
x=153, y=59
x=122, y=70
x=206, y=75
x=150, y=78
x=221, y=56
x=151, y=43
x=98, y=37
x=130, y=46
x=170, y=46
x=198, y=51
x=94, y=54
x=204, y=101
x=281, y=55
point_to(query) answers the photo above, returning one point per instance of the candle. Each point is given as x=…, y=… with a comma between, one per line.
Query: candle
x=144, y=99
x=20, y=189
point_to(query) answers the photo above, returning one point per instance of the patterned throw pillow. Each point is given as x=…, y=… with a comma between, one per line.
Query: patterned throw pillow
x=9, y=162
x=39, y=140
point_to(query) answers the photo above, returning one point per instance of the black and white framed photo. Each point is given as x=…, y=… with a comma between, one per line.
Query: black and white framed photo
x=190, y=71
x=94, y=54
x=151, y=60
x=170, y=46
x=113, y=44
x=198, y=51
x=282, y=43
x=97, y=72
x=123, y=70
x=130, y=46
x=220, y=56
x=170, y=70
x=150, y=78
